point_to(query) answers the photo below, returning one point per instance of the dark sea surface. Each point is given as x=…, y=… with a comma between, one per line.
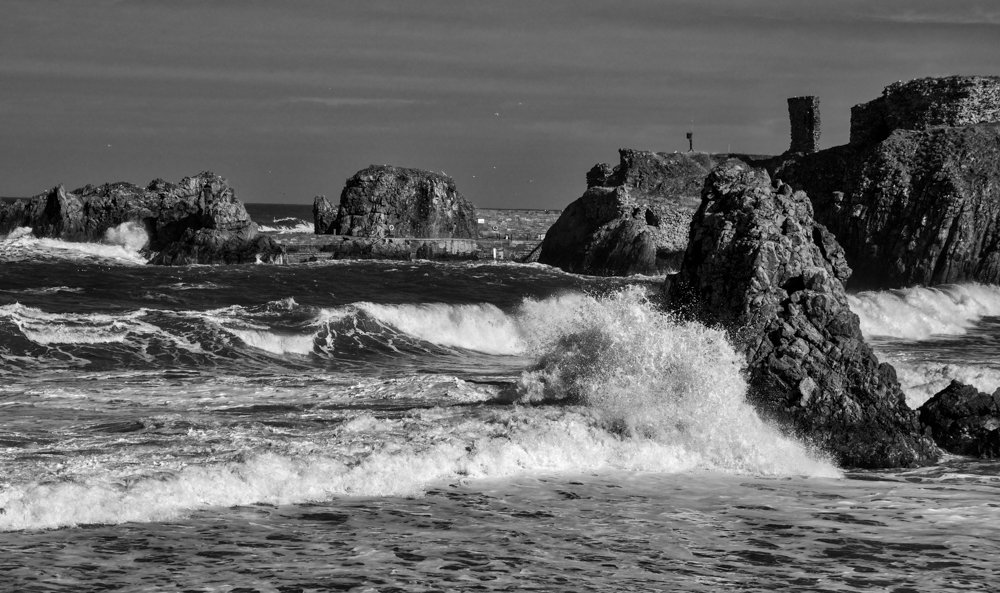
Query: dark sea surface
x=390, y=426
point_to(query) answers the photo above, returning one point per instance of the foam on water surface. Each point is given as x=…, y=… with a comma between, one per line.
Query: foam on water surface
x=920, y=313
x=120, y=248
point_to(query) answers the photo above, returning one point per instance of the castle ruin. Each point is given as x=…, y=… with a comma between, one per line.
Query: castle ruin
x=803, y=112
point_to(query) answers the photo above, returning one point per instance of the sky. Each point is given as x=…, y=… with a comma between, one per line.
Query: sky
x=515, y=99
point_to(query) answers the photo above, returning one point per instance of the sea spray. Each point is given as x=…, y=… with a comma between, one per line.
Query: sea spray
x=130, y=235
x=920, y=312
x=650, y=376
x=22, y=245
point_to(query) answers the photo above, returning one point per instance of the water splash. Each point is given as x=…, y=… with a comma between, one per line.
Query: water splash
x=130, y=235
x=920, y=313
x=21, y=245
x=652, y=377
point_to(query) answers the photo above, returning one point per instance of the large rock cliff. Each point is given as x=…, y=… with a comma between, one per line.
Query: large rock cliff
x=915, y=198
x=758, y=265
x=198, y=220
x=383, y=201
x=633, y=218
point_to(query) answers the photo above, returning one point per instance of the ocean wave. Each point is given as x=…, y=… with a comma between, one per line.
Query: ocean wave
x=289, y=224
x=21, y=245
x=920, y=313
x=364, y=456
x=70, y=328
x=921, y=380
x=674, y=382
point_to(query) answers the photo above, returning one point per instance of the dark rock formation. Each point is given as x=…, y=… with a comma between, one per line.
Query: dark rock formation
x=758, y=265
x=964, y=421
x=927, y=102
x=383, y=201
x=604, y=233
x=632, y=219
x=916, y=208
x=916, y=204
x=324, y=216
x=198, y=220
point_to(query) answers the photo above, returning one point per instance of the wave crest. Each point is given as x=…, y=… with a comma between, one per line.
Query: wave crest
x=650, y=376
x=919, y=313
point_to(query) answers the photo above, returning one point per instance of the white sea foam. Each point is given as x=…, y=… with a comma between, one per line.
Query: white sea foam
x=649, y=394
x=369, y=456
x=919, y=313
x=21, y=245
x=70, y=328
x=48, y=329
x=921, y=380
x=300, y=227
x=678, y=384
x=130, y=235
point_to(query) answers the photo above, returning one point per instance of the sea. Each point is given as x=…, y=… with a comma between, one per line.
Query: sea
x=380, y=426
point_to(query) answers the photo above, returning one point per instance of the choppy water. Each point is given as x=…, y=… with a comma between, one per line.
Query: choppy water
x=385, y=426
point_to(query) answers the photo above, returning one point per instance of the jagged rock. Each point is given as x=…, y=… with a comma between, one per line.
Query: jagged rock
x=632, y=219
x=918, y=204
x=385, y=201
x=198, y=220
x=924, y=103
x=324, y=216
x=964, y=421
x=758, y=265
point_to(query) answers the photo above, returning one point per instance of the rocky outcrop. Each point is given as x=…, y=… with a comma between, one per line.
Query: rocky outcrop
x=198, y=220
x=632, y=219
x=383, y=201
x=923, y=103
x=758, y=265
x=964, y=421
x=604, y=233
x=324, y=216
x=915, y=198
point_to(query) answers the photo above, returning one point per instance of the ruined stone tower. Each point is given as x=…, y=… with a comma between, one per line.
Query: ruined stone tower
x=804, y=115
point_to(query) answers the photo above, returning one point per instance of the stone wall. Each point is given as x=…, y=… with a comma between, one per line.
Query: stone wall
x=926, y=102
x=803, y=113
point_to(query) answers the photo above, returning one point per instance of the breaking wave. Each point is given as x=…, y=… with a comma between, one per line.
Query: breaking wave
x=631, y=387
x=120, y=247
x=920, y=313
x=130, y=235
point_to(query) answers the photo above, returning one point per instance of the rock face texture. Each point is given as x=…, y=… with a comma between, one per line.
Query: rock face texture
x=383, y=201
x=927, y=102
x=324, y=216
x=758, y=265
x=632, y=219
x=198, y=220
x=604, y=233
x=964, y=421
x=918, y=203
